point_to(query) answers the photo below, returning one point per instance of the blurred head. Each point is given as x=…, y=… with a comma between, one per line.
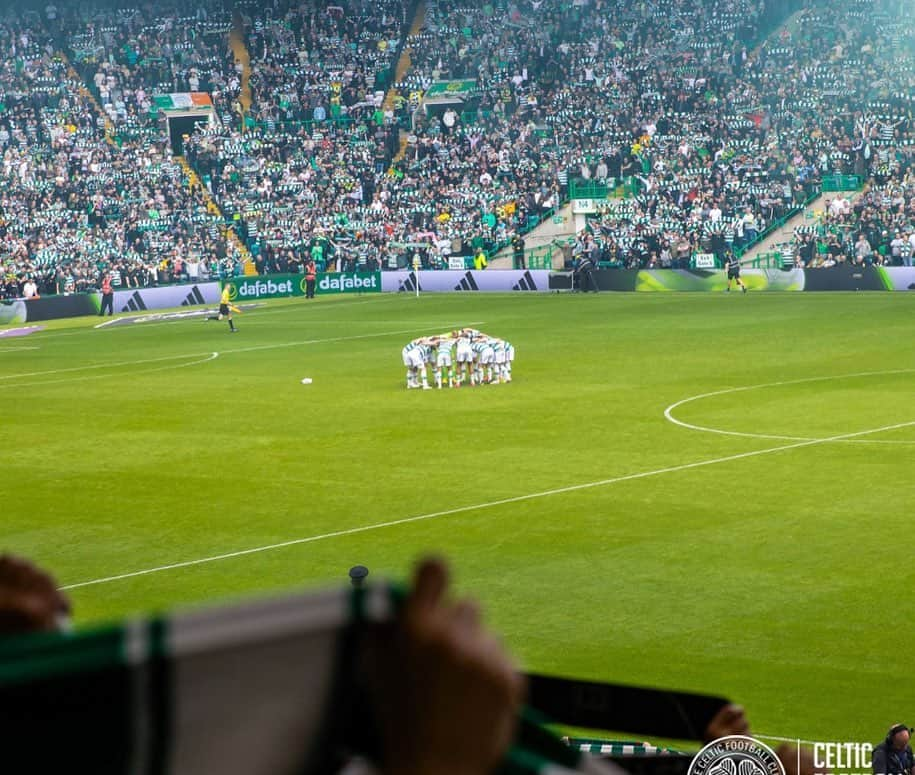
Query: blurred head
x=29, y=599
x=898, y=736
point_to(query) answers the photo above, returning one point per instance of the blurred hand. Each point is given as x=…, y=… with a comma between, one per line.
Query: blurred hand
x=29, y=598
x=730, y=720
x=449, y=693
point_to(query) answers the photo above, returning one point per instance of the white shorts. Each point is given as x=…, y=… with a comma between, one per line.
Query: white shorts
x=487, y=355
x=413, y=359
x=510, y=354
x=499, y=355
x=464, y=355
x=443, y=359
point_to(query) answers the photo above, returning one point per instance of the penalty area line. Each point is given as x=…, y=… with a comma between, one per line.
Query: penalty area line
x=482, y=506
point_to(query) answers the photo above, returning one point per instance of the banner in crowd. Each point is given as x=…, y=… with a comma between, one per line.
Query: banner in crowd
x=450, y=280
x=140, y=299
x=461, y=88
x=278, y=286
x=195, y=100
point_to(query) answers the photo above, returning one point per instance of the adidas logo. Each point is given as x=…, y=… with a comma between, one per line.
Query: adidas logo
x=409, y=284
x=467, y=283
x=526, y=283
x=193, y=298
x=134, y=304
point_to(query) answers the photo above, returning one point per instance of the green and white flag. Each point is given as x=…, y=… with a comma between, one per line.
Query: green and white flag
x=256, y=688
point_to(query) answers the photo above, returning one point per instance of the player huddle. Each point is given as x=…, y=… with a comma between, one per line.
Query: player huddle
x=464, y=355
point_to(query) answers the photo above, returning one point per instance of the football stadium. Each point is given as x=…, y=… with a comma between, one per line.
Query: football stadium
x=420, y=386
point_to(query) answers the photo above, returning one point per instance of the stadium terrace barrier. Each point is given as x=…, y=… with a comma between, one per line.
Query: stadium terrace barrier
x=838, y=278
x=443, y=281
x=842, y=183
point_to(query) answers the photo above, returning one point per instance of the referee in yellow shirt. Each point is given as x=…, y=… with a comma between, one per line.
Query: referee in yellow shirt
x=225, y=311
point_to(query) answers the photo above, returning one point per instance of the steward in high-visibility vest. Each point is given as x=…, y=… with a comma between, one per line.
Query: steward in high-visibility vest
x=311, y=271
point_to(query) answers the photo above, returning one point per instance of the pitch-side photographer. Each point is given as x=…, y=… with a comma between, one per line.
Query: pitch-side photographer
x=894, y=755
x=583, y=274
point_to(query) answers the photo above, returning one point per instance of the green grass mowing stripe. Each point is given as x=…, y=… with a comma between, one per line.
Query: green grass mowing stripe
x=491, y=504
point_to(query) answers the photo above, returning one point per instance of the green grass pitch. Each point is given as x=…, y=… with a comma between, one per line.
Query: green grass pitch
x=776, y=571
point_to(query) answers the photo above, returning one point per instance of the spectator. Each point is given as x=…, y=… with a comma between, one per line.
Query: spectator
x=894, y=755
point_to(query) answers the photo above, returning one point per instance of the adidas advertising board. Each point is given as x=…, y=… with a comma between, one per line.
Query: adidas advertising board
x=279, y=286
x=448, y=280
x=141, y=299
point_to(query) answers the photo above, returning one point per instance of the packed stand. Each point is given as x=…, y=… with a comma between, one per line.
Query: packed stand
x=714, y=139
x=129, y=56
x=74, y=205
x=312, y=168
x=845, y=107
x=313, y=61
x=676, y=128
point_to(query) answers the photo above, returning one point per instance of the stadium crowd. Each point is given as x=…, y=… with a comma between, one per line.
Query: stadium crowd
x=713, y=137
x=76, y=201
x=860, y=74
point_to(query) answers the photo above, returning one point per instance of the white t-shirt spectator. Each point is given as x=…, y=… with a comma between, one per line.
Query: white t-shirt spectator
x=29, y=289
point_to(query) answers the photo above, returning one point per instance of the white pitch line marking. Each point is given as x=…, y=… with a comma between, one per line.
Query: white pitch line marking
x=211, y=357
x=254, y=348
x=487, y=505
x=115, y=364
x=668, y=412
x=16, y=349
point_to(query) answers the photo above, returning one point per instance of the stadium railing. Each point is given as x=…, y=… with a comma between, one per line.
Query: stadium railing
x=579, y=188
x=777, y=224
x=842, y=183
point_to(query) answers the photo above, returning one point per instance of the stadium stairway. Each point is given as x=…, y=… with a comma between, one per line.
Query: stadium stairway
x=240, y=51
x=87, y=95
x=203, y=192
x=785, y=233
x=404, y=63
